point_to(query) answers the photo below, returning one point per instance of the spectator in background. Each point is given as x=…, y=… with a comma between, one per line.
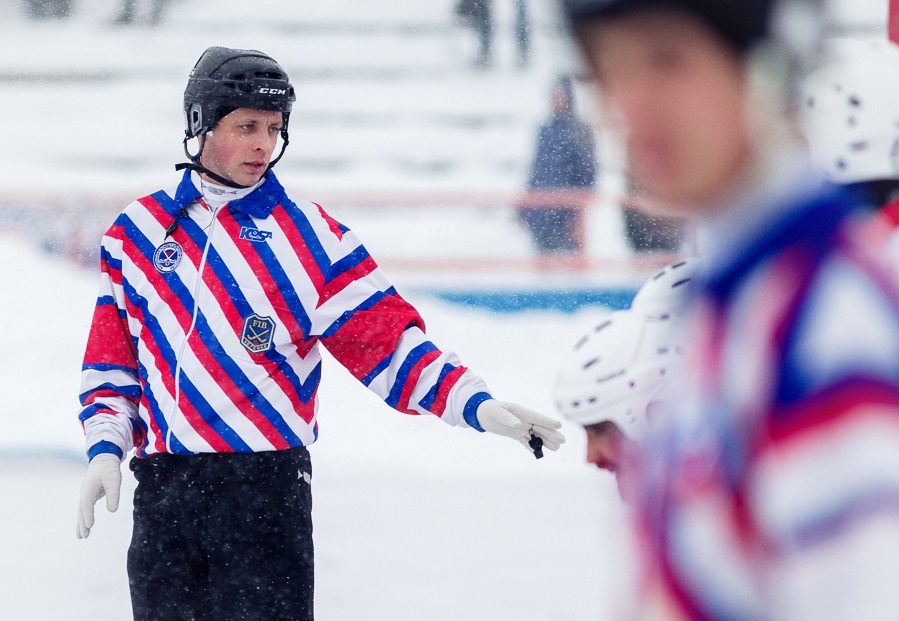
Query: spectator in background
x=564, y=161
x=130, y=13
x=478, y=14
x=48, y=9
x=522, y=33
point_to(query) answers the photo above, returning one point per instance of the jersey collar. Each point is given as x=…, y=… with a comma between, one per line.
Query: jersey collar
x=257, y=204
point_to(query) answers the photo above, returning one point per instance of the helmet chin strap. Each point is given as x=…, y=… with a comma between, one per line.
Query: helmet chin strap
x=194, y=163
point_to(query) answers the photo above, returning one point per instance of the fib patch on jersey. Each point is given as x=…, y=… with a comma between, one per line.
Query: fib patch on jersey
x=258, y=333
x=167, y=257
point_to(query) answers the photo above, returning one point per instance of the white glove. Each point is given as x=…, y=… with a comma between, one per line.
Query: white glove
x=518, y=422
x=103, y=478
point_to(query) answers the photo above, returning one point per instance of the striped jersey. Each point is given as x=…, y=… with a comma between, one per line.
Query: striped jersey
x=887, y=220
x=773, y=492
x=206, y=333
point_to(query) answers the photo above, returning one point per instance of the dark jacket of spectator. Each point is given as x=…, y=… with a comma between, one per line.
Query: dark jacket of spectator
x=564, y=156
x=563, y=159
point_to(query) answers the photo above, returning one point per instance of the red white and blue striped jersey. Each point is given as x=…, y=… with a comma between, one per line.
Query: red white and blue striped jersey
x=887, y=220
x=207, y=339
x=773, y=491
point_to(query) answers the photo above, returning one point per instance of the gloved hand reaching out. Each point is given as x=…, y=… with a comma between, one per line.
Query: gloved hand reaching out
x=520, y=423
x=103, y=478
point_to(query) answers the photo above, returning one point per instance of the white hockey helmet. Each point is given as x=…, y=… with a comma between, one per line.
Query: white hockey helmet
x=617, y=370
x=666, y=292
x=622, y=366
x=850, y=112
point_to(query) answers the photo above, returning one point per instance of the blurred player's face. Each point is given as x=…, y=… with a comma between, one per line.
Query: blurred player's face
x=680, y=93
x=240, y=146
x=609, y=449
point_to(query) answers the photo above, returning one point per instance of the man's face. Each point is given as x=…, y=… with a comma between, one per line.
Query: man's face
x=609, y=449
x=559, y=100
x=680, y=93
x=240, y=146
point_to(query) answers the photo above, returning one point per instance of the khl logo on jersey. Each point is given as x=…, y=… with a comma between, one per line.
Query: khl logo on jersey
x=167, y=257
x=258, y=333
x=254, y=234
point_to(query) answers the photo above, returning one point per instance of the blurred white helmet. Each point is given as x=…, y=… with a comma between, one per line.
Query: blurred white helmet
x=666, y=292
x=621, y=368
x=617, y=370
x=850, y=112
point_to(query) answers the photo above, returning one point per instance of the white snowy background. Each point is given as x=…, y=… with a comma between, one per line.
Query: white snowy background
x=414, y=520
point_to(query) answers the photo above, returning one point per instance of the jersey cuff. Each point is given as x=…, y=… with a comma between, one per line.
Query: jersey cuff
x=470, y=413
x=104, y=446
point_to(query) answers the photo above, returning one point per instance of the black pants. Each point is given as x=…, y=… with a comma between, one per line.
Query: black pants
x=224, y=537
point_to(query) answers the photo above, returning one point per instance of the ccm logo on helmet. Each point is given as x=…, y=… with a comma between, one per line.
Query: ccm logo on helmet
x=272, y=91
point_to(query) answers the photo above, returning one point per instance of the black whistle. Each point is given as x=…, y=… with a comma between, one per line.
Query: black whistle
x=182, y=213
x=536, y=444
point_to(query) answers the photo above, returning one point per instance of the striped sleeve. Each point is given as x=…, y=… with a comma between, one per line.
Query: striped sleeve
x=380, y=338
x=110, y=385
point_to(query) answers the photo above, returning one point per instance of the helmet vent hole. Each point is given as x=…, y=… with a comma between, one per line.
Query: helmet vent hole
x=632, y=384
x=855, y=102
x=590, y=363
x=604, y=324
x=580, y=343
x=592, y=400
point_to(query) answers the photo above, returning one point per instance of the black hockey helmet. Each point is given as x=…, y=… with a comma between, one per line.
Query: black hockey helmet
x=742, y=23
x=225, y=79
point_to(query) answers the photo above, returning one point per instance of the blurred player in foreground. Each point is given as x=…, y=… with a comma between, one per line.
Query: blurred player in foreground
x=774, y=492
x=622, y=374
